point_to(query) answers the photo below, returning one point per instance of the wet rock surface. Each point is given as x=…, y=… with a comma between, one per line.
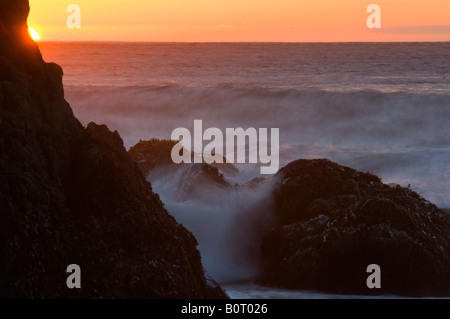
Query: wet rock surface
x=194, y=180
x=334, y=221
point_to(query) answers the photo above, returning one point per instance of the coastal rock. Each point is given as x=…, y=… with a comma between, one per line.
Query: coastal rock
x=193, y=180
x=72, y=195
x=334, y=221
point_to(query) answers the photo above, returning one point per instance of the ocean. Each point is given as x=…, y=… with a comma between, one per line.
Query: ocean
x=382, y=108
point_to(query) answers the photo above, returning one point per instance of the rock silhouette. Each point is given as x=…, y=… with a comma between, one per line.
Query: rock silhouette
x=197, y=179
x=73, y=195
x=334, y=221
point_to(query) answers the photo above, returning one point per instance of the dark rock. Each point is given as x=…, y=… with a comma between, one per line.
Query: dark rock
x=197, y=179
x=70, y=195
x=311, y=188
x=334, y=221
x=151, y=154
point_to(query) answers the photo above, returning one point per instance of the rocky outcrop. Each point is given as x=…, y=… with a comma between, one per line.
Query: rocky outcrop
x=195, y=179
x=73, y=195
x=152, y=153
x=334, y=221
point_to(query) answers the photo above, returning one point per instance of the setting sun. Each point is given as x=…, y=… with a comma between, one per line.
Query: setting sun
x=34, y=35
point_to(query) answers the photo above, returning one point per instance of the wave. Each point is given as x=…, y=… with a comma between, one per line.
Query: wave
x=402, y=137
x=228, y=223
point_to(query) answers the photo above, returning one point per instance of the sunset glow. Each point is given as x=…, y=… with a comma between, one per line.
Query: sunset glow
x=34, y=35
x=243, y=20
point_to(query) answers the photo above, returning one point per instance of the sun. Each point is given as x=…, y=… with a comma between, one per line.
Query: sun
x=34, y=35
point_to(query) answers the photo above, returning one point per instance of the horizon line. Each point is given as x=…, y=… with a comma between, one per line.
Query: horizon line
x=232, y=42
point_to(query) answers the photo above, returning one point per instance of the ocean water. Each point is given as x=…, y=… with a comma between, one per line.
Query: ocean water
x=252, y=291
x=381, y=107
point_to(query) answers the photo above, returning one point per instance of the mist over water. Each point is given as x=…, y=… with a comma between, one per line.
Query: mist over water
x=228, y=223
x=382, y=108
x=402, y=137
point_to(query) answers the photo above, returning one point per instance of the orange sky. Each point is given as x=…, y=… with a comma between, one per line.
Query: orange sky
x=242, y=20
